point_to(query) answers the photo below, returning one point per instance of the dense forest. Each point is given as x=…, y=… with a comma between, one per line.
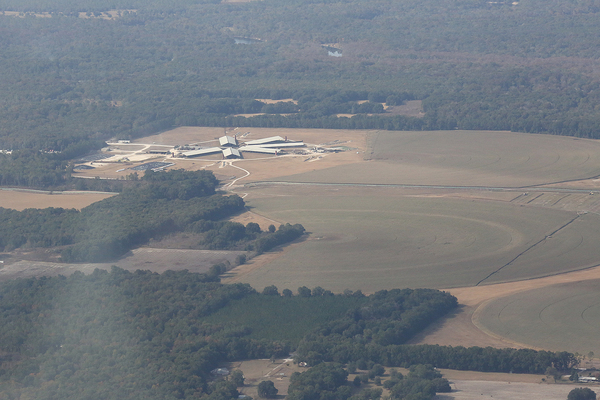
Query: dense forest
x=159, y=204
x=73, y=77
x=143, y=335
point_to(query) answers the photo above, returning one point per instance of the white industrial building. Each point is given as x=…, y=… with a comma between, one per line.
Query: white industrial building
x=231, y=153
x=201, y=152
x=260, y=149
x=228, y=141
x=269, y=140
x=281, y=145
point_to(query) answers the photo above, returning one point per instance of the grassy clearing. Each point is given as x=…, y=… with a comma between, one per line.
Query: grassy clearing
x=466, y=158
x=289, y=319
x=382, y=240
x=560, y=317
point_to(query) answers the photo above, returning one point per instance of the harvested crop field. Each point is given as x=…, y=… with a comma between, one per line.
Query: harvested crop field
x=468, y=326
x=559, y=317
x=371, y=239
x=466, y=158
x=21, y=199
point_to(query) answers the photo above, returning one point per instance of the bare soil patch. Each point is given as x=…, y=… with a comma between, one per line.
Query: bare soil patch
x=473, y=389
x=20, y=200
x=249, y=216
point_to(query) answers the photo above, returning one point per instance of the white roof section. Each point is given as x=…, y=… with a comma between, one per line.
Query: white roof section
x=231, y=152
x=227, y=141
x=283, y=145
x=272, y=139
x=201, y=152
x=260, y=149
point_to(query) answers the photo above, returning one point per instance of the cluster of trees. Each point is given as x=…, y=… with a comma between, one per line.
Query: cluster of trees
x=582, y=394
x=143, y=335
x=374, y=333
x=475, y=358
x=422, y=381
x=284, y=234
x=324, y=381
x=389, y=318
x=120, y=335
x=159, y=204
x=219, y=235
x=109, y=228
x=328, y=381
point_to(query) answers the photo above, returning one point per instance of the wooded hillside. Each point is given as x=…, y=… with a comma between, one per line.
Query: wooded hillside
x=71, y=80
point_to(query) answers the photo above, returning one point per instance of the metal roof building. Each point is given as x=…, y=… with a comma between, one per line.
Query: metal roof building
x=201, y=152
x=283, y=145
x=228, y=141
x=231, y=153
x=272, y=139
x=260, y=149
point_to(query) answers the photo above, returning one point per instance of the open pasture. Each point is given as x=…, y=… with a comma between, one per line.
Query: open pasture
x=466, y=158
x=560, y=317
x=373, y=239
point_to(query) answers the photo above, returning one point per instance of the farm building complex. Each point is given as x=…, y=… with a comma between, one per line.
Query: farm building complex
x=231, y=148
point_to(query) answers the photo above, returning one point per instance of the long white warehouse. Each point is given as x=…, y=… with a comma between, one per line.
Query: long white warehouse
x=201, y=152
x=259, y=149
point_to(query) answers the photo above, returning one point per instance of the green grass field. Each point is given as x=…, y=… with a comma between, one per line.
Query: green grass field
x=288, y=319
x=558, y=317
x=383, y=240
x=466, y=158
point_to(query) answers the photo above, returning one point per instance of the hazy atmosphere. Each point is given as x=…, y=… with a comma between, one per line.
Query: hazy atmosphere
x=299, y=199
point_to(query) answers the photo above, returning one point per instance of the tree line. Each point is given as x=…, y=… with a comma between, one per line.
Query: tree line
x=159, y=204
x=141, y=335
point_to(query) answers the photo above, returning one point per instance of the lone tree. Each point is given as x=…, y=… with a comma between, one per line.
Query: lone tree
x=582, y=394
x=237, y=377
x=267, y=390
